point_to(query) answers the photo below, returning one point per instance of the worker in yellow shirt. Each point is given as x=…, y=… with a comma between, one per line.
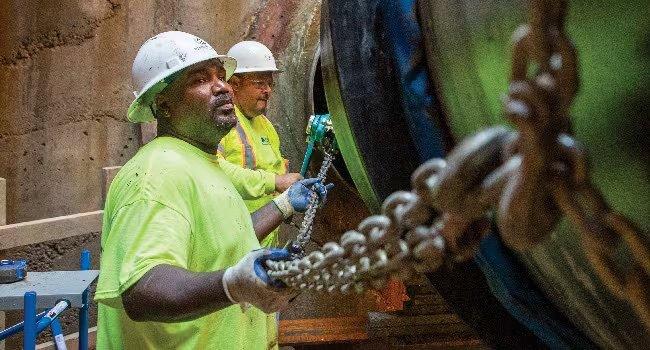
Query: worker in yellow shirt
x=181, y=265
x=250, y=153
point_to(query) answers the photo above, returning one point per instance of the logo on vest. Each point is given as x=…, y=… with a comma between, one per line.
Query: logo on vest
x=265, y=140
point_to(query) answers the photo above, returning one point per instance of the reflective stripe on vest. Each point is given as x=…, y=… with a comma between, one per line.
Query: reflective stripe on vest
x=247, y=149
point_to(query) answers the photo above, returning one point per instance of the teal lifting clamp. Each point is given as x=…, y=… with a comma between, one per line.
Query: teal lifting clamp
x=319, y=131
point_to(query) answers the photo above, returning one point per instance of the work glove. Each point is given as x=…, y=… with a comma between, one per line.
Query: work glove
x=248, y=283
x=296, y=198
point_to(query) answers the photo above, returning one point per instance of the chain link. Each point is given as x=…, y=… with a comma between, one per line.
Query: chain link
x=554, y=169
x=304, y=233
x=525, y=180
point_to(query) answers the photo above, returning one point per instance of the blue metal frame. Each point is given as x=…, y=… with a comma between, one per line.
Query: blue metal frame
x=57, y=334
x=34, y=323
x=17, y=328
x=83, y=311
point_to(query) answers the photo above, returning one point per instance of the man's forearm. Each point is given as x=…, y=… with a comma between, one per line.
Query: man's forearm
x=266, y=219
x=171, y=294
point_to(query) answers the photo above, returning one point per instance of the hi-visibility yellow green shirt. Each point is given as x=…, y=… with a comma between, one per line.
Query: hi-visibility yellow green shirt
x=250, y=156
x=172, y=204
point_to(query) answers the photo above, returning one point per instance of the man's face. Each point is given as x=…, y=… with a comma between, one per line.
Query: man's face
x=252, y=92
x=200, y=102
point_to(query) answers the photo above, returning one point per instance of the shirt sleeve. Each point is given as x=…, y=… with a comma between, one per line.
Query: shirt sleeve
x=141, y=235
x=250, y=184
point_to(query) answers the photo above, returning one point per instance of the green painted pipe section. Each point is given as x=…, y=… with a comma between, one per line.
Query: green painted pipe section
x=353, y=160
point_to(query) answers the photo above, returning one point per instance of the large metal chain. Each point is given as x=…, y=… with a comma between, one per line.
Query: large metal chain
x=304, y=233
x=526, y=180
x=366, y=257
x=554, y=168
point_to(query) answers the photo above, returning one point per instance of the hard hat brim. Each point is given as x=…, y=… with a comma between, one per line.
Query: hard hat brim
x=140, y=109
x=257, y=70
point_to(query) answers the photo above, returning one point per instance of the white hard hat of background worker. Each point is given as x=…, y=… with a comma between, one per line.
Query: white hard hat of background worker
x=252, y=56
x=157, y=62
x=252, y=82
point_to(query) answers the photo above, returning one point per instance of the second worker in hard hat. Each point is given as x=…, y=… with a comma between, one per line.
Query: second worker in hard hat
x=250, y=154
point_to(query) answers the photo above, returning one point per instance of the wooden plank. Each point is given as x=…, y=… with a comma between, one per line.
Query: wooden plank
x=72, y=341
x=381, y=325
x=322, y=330
x=425, y=304
x=292, y=332
x=108, y=174
x=37, y=231
x=442, y=344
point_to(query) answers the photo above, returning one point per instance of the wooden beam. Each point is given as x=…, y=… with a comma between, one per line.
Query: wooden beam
x=38, y=231
x=292, y=332
x=384, y=325
x=322, y=330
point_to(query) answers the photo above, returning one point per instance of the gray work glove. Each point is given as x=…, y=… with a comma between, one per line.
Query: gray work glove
x=248, y=283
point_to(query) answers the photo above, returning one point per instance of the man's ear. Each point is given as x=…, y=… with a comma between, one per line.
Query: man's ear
x=161, y=106
x=234, y=82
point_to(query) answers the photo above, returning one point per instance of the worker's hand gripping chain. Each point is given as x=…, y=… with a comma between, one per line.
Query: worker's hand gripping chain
x=248, y=283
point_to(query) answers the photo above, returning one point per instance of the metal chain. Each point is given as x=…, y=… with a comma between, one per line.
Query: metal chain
x=526, y=180
x=368, y=256
x=557, y=163
x=304, y=233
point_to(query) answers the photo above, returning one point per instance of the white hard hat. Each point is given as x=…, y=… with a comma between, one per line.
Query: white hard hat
x=252, y=56
x=160, y=57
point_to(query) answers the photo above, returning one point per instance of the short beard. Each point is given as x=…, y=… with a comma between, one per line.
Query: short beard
x=224, y=121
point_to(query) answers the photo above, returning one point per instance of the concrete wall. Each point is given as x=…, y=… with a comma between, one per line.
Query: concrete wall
x=65, y=72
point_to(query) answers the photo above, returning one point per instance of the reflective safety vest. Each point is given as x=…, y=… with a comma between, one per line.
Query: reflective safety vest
x=250, y=155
